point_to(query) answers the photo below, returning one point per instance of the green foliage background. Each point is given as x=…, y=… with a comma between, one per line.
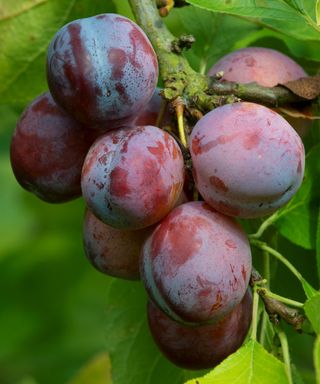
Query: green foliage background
x=57, y=312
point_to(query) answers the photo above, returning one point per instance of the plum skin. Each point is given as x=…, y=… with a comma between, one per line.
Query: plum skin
x=196, y=264
x=266, y=67
x=200, y=347
x=101, y=69
x=132, y=177
x=247, y=160
x=112, y=251
x=149, y=114
x=48, y=149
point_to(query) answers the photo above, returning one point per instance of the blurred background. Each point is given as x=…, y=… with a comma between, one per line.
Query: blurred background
x=52, y=316
x=55, y=308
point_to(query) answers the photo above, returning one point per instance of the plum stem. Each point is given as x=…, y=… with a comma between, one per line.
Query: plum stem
x=264, y=226
x=179, y=112
x=255, y=307
x=198, y=92
x=277, y=308
x=285, y=300
x=265, y=247
x=285, y=352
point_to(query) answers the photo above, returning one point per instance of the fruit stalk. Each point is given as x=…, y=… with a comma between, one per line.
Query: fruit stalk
x=180, y=80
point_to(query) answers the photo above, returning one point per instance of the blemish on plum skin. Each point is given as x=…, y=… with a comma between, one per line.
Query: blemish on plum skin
x=230, y=244
x=115, y=139
x=122, y=93
x=299, y=168
x=196, y=146
x=218, y=183
x=135, y=38
x=103, y=159
x=118, y=182
x=98, y=184
x=251, y=140
x=158, y=151
x=250, y=61
x=244, y=272
x=218, y=302
x=117, y=57
x=220, y=140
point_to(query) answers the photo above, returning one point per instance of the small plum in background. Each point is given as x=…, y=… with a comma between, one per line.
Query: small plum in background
x=196, y=264
x=133, y=177
x=247, y=159
x=48, y=149
x=102, y=69
x=112, y=251
x=200, y=347
x=150, y=113
x=266, y=67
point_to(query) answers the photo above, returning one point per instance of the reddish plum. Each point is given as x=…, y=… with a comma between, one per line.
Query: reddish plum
x=132, y=177
x=264, y=66
x=200, y=347
x=247, y=160
x=112, y=251
x=102, y=69
x=48, y=149
x=196, y=264
x=150, y=113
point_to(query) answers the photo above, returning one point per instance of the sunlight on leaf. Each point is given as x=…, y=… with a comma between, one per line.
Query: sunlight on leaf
x=97, y=371
x=275, y=14
x=311, y=308
x=318, y=12
x=251, y=364
x=316, y=358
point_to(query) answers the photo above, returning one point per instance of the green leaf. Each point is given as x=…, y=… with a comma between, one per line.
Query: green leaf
x=97, y=371
x=311, y=308
x=316, y=358
x=297, y=220
x=123, y=8
x=318, y=12
x=134, y=356
x=275, y=14
x=308, y=289
x=318, y=245
x=215, y=34
x=251, y=364
x=26, y=28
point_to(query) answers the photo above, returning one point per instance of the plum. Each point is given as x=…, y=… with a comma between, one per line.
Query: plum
x=48, y=149
x=102, y=69
x=132, y=177
x=247, y=159
x=266, y=67
x=200, y=347
x=112, y=251
x=196, y=264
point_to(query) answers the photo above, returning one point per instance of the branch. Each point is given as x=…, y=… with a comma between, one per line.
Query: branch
x=277, y=309
x=197, y=91
x=254, y=92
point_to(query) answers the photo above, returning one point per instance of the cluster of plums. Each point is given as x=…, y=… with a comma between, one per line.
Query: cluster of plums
x=95, y=135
